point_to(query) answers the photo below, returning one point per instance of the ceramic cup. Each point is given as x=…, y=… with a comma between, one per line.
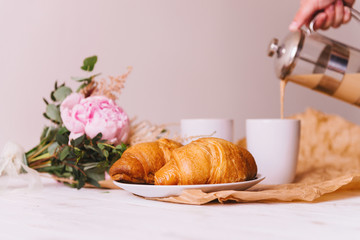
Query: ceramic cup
x=192, y=129
x=274, y=143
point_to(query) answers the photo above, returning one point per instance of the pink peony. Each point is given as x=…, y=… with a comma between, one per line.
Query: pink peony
x=93, y=115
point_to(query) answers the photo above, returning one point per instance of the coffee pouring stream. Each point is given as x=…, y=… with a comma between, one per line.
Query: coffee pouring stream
x=317, y=62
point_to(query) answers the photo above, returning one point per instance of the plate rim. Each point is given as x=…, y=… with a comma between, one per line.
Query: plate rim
x=259, y=178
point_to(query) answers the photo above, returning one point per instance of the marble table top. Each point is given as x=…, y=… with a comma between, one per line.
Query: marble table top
x=60, y=212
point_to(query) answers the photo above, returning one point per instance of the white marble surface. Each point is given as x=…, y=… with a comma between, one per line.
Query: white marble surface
x=60, y=212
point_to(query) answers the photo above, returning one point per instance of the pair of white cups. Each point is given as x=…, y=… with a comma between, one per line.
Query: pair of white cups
x=274, y=143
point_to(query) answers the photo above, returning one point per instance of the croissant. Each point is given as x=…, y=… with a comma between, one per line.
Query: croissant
x=207, y=161
x=139, y=163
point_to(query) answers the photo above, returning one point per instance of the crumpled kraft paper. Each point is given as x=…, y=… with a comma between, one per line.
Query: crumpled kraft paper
x=329, y=161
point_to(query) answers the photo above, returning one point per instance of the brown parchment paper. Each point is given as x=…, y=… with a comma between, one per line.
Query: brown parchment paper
x=329, y=161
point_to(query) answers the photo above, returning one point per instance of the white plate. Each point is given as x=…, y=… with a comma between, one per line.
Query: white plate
x=147, y=190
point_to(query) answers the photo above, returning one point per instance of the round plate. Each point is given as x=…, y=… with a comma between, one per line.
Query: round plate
x=147, y=190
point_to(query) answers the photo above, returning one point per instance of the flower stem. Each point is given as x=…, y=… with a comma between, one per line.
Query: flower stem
x=41, y=165
x=37, y=153
x=108, y=145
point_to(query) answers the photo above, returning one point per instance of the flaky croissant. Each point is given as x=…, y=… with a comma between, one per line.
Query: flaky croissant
x=207, y=161
x=140, y=162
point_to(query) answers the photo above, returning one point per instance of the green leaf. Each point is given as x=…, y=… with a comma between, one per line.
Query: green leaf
x=91, y=148
x=85, y=79
x=46, y=116
x=52, y=96
x=52, y=148
x=121, y=147
x=97, y=174
x=81, y=87
x=106, y=153
x=78, y=141
x=94, y=175
x=101, y=146
x=48, y=134
x=90, y=165
x=44, y=133
x=81, y=179
x=61, y=93
x=66, y=175
x=51, y=134
x=89, y=63
x=53, y=112
x=63, y=130
x=81, y=79
x=78, y=153
x=97, y=138
x=62, y=139
x=64, y=153
x=93, y=182
x=68, y=169
x=50, y=169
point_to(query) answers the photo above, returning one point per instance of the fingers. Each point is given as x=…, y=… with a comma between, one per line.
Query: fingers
x=330, y=16
x=302, y=16
x=339, y=14
x=333, y=16
x=347, y=15
x=334, y=13
x=349, y=3
x=320, y=20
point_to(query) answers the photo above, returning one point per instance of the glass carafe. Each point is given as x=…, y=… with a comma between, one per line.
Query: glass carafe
x=319, y=63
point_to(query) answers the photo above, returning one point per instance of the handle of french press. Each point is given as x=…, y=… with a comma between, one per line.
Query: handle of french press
x=354, y=13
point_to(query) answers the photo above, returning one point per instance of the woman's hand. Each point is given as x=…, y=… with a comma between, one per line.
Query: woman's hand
x=333, y=13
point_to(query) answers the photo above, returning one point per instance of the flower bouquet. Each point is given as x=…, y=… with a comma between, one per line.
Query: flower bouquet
x=89, y=131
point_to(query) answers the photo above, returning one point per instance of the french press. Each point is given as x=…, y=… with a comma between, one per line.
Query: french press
x=317, y=62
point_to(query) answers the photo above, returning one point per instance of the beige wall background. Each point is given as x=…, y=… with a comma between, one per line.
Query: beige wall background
x=191, y=58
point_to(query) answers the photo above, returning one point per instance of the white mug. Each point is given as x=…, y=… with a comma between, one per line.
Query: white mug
x=192, y=129
x=274, y=143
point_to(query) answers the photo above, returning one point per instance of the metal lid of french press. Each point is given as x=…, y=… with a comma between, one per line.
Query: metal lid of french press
x=286, y=52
